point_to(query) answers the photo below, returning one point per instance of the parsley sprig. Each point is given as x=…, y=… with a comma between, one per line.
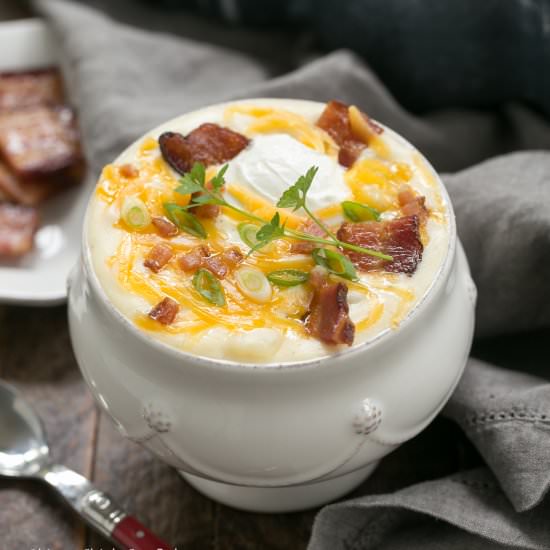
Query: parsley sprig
x=295, y=197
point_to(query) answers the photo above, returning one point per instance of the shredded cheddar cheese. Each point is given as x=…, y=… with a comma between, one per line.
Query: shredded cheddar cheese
x=281, y=121
x=373, y=180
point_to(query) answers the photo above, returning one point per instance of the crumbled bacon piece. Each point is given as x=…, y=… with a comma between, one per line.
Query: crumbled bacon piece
x=165, y=227
x=39, y=141
x=17, y=227
x=306, y=247
x=165, y=311
x=411, y=204
x=128, y=171
x=208, y=211
x=232, y=256
x=219, y=265
x=328, y=318
x=399, y=238
x=349, y=152
x=335, y=120
x=192, y=260
x=158, y=257
x=216, y=265
x=209, y=144
x=23, y=89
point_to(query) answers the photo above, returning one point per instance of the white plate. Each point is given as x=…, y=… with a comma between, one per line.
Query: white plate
x=39, y=278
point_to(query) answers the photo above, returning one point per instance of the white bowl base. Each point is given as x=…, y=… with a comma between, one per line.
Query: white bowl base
x=280, y=499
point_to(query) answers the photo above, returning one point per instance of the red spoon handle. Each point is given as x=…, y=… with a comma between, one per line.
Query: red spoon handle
x=131, y=534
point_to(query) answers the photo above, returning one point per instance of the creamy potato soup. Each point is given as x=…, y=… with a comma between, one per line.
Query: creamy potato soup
x=268, y=231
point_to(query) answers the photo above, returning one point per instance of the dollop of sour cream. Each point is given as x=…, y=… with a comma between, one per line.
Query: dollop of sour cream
x=273, y=162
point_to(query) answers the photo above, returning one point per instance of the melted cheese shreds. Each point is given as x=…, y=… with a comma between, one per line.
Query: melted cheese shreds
x=284, y=145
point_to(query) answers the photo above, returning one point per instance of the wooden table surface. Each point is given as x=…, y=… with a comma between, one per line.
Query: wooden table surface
x=36, y=356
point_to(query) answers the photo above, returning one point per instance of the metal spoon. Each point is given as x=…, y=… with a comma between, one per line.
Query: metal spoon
x=24, y=453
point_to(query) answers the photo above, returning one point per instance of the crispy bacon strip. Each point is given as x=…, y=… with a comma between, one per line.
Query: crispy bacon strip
x=335, y=121
x=400, y=238
x=411, y=204
x=165, y=227
x=23, y=89
x=209, y=144
x=305, y=247
x=28, y=193
x=328, y=318
x=165, y=311
x=18, y=225
x=158, y=257
x=39, y=141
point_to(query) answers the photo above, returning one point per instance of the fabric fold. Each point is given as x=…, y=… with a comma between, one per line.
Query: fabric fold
x=506, y=415
x=467, y=510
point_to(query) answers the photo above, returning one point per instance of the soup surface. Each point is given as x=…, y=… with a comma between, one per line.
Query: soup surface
x=268, y=231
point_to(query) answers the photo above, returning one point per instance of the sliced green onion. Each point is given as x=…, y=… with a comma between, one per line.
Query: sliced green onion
x=247, y=232
x=209, y=287
x=288, y=277
x=253, y=284
x=135, y=213
x=184, y=220
x=335, y=263
x=357, y=212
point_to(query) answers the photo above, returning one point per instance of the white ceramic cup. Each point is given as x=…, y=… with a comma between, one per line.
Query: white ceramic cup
x=276, y=438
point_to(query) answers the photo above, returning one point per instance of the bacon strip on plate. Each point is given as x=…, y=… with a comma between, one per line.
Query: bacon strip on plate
x=30, y=88
x=18, y=225
x=39, y=141
x=208, y=144
x=33, y=192
x=335, y=120
x=165, y=311
x=328, y=319
x=399, y=238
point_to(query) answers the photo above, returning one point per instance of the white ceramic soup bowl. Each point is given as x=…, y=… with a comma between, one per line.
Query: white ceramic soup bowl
x=276, y=438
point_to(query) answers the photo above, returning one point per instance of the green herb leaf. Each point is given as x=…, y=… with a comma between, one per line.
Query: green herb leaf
x=209, y=287
x=271, y=230
x=357, y=212
x=247, y=232
x=288, y=277
x=184, y=220
x=187, y=186
x=198, y=173
x=204, y=198
x=218, y=181
x=336, y=263
x=192, y=182
x=295, y=196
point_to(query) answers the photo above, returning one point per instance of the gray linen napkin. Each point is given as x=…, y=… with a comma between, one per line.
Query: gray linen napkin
x=125, y=80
